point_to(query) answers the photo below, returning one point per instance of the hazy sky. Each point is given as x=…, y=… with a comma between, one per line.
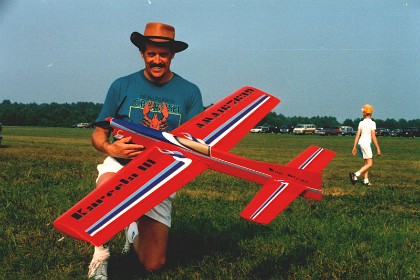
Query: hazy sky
x=320, y=57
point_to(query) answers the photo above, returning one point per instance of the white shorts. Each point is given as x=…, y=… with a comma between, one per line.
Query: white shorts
x=160, y=213
x=365, y=150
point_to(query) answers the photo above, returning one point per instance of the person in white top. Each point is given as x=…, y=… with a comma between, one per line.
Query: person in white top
x=366, y=134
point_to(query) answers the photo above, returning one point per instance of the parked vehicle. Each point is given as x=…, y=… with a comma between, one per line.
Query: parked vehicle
x=410, y=132
x=256, y=129
x=395, y=132
x=304, y=129
x=384, y=132
x=259, y=129
x=83, y=125
x=287, y=129
x=334, y=130
x=328, y=130
x=272, y=129
x=347, y=131
x=319, y=130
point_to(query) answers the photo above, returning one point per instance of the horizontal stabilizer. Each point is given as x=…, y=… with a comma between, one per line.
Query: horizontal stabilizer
x=273, y=197
x=313, y=159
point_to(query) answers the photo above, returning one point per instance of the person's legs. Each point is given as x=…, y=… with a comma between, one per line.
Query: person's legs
x=99, y=264
x=365, y=150
x=368, y=164
x=151, y=233
x=151, y=243
x=364, y=169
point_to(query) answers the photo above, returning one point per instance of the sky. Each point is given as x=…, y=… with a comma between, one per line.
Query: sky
x=320, y=57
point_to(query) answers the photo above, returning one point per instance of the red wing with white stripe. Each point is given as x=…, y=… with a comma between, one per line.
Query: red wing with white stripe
x=225, y=123
x=145, y=182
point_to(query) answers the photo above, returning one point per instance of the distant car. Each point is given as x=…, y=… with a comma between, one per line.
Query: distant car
x=328, y=131
x=334, y=130
x=384, y=132
x=347, y=131
x=287, y=129
x=304, y=129
x=256, y=129
x=83, y=125
x=272, y=129
x=410, y=132
x=259, y=129
x=320, y=130
x=395, y=132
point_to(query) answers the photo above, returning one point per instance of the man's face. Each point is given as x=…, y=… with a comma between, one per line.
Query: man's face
x=157, y=61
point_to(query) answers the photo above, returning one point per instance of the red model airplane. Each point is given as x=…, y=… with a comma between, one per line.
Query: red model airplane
x=173, y=159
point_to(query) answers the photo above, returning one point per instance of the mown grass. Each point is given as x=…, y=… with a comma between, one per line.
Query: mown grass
x=355, y=232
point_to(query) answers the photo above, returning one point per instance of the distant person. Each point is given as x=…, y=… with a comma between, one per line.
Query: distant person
x=366, y=134
x=158, y=98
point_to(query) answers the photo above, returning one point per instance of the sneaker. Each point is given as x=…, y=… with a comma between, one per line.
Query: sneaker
x=353, y=178
x=367, y=184
x=98, y=268
x=130, y=232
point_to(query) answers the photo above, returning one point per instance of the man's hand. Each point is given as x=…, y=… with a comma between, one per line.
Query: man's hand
x=123, y=148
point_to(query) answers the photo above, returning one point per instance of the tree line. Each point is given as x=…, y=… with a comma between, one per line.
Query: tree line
x=52, y=115
x=68, y=114
x=280, y=120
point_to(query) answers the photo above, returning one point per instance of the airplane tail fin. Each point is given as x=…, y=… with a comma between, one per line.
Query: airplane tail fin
x=302, y=176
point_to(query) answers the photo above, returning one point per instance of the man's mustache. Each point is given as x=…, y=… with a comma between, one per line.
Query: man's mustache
x=160, y=65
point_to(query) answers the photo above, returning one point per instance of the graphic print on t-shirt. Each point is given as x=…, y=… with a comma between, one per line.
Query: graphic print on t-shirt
x=159, y=115
x=156, y=122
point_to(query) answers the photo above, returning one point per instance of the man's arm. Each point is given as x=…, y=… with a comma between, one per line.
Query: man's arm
x=120, y=149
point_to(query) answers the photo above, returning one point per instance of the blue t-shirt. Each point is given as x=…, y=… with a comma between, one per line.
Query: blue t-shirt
x=134, y=98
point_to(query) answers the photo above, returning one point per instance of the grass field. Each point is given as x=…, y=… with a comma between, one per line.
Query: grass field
x=355, y=232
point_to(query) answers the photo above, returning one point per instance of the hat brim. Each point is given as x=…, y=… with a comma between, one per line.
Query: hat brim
x=139, y=41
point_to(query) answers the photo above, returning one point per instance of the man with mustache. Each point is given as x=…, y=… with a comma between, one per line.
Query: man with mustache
x=153, y=94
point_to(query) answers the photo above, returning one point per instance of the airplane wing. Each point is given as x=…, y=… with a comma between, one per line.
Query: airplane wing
x=273, y=197
x=149, y=178
x=225, y=123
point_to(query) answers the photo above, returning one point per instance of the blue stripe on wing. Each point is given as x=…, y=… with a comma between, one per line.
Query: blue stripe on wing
x=266, y=203
x=310, y=159
x=235, y=120
x=140, y=194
